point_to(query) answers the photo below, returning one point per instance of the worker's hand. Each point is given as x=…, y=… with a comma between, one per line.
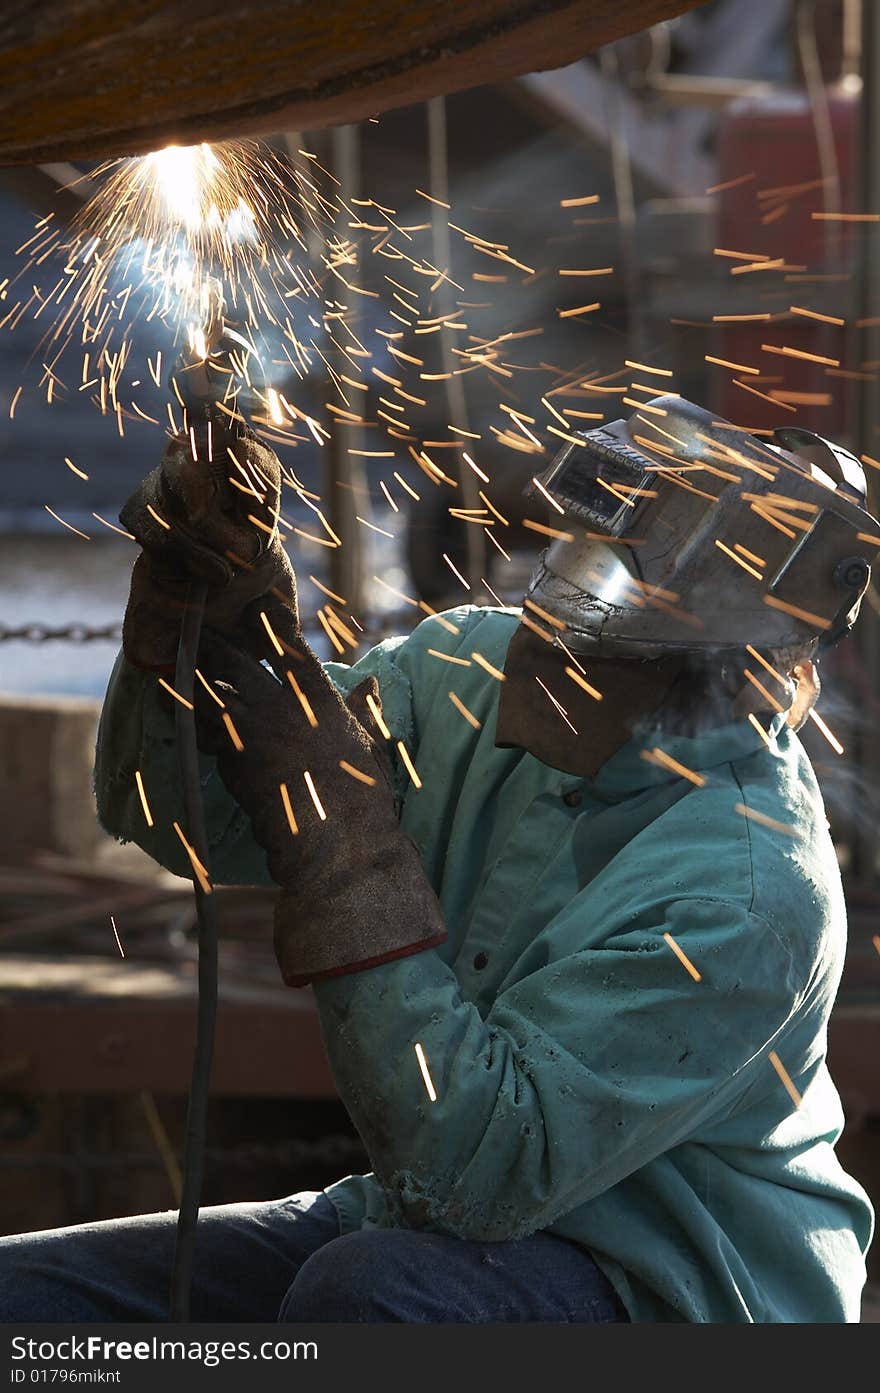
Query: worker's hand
x=207, y=519
x=311, y=772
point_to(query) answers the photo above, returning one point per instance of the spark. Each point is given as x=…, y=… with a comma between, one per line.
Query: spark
x=785, y=1078
x=496, y=544
x=143, y=797
x=665, y=761
x=845, y=217
x=831, y=738
x=744, y=551
x=800, y=353
x=431, y=199
x=491, y=592
x=403, y=484
x=645, y=367
x=593, y=271
x=579, y=309
x=787, y=829
x=559, y=707
x=209, y=689
x=758, y=575
x=731, y=183
x=356, y=773
x=116, y=936
x=468, y=715
x=234, y=736
x=726, y=363
x=456, y=572
x=768, y=696
x=548, y=531
x=273, y=637
x=313, y=793
x=448, y=657
x=753, y=721
x=69, y=525
x=410, y=767
x=814, y=314
x=548, y=618
x=78, y=472
x=475, y=467
x=765, y=264
x=288, y=809
x=682, y=957
x=398, y=594
x=805, y=614
x=426, y=1075
x=384, y=487
x=549, y=497
x=494, y=510
x=329, y=631
x=177, y=697
x=375, y=709
x=374, y=528
x=487, y=666
x=536, y=628
x=199, y=870
x=767, y=666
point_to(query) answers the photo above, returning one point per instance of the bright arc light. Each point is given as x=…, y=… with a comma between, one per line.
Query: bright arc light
x=184, y=175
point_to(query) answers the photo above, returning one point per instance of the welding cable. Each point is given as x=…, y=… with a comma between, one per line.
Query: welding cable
x=194, y=812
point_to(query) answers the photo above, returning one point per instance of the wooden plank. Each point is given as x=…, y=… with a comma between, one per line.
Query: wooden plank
x=93, y=78
x=94, y=1026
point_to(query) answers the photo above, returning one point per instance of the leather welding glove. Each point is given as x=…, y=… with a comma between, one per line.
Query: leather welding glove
x=212, y=520
x=311, y=772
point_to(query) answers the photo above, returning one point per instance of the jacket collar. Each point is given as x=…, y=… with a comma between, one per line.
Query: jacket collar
x=627, y=772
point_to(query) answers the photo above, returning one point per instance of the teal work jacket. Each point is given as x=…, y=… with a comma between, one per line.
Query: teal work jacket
x=586, y=1082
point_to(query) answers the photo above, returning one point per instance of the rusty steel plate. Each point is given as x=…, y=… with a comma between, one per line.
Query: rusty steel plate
x=95, y=78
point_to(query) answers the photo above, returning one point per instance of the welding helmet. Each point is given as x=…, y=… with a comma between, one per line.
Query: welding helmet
x=681, y=533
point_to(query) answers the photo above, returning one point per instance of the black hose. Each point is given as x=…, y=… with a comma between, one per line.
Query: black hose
x=196, y=1120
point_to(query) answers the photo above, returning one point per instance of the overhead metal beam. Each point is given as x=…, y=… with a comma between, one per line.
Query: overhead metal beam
x=92, y=78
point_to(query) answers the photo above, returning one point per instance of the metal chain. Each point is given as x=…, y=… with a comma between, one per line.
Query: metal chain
x=112, y=633
x=68, y=633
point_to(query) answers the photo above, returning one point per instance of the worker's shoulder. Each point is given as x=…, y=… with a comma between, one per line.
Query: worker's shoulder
x=754, y=837
x=777, y=815
x=457, y=632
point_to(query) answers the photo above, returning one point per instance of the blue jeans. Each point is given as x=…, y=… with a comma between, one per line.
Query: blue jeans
x=286, y=1261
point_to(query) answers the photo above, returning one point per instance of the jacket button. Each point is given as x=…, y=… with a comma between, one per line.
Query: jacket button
x=480, y=961
x=573, y=798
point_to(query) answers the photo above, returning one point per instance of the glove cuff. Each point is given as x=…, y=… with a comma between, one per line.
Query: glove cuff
x=387, y=911
x=292, y=978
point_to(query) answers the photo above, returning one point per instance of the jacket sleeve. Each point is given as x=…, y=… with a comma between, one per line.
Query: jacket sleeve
x=136, y=735
x=584, y=1070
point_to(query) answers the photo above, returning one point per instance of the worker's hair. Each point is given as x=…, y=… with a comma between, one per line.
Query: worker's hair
x=713, y=690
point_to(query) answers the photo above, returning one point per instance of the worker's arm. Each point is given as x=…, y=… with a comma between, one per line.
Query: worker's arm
x=595, y=1062
x=137, y=735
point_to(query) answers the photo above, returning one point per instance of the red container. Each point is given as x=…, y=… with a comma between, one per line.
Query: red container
x=768, y=152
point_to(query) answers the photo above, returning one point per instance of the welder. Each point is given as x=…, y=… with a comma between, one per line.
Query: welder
x=575, y=977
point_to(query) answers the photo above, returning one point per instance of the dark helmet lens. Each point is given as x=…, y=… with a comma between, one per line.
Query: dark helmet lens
x=597, y=481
